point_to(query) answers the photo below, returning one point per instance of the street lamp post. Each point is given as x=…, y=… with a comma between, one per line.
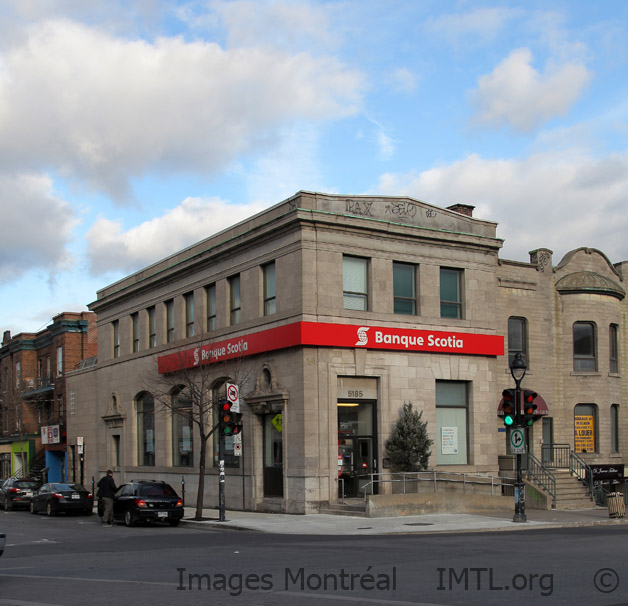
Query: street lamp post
x=518, y=370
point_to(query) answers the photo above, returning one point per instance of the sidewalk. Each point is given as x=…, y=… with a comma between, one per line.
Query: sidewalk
x=326, y=524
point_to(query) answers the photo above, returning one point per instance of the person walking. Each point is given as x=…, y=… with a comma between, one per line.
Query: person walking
x=106, y=489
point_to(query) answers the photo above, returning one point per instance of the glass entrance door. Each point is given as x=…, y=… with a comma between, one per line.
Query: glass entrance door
x=356, y=447
x=273, y=455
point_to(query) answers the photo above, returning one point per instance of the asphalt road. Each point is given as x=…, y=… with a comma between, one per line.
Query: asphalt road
x=75, y=560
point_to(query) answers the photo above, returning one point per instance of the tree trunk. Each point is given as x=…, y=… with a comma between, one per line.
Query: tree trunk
x=201, y=479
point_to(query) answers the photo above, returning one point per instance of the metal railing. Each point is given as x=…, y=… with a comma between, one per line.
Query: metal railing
x=542, y=476
x=580, y=468
x=410, y=481
x=556, y=456
x=561, y=456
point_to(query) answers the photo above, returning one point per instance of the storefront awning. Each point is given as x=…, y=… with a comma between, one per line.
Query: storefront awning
x=541, y=405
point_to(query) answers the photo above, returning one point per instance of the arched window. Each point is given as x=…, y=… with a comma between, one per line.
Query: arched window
x=585, y=428
x=182, y=430
x=145, y=417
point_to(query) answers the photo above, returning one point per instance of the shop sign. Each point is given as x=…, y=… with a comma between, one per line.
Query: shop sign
x=50, y=434
x=334, y=335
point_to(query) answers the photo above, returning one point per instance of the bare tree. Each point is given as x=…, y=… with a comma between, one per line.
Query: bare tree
x=191, y=393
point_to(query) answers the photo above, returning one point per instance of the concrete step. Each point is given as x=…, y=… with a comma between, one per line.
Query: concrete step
x=351, y=507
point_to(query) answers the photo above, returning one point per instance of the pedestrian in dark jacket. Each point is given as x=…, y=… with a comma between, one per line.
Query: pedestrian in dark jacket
x=106, y=489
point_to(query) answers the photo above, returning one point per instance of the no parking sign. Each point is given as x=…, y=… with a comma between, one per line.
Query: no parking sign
x=233, y=397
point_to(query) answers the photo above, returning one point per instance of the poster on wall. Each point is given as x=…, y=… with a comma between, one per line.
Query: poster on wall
x=449, y=440
x=584, y=433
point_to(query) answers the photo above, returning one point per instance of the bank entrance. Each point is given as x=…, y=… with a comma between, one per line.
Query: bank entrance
x=357, y=452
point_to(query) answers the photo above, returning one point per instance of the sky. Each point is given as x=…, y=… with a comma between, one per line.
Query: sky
x=130, y=129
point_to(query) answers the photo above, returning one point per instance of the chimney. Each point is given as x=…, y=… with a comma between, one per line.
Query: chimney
x=6, y=337
x=463, y=209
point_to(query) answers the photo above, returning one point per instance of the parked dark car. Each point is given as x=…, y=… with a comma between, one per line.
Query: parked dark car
x=3, y=539
x=17, y=493
x=60, y=497
x=149, y=501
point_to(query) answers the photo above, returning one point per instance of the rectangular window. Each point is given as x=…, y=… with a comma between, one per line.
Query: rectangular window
x=355, y=283
x=234, y=300
x=189, y=314
x=615, y=428
x=169, y=321
x=450, y=293
x=612, y=348
x=18, y=374
x=451, y=422
x=115, y=329
x=584, y=348
x=517, y=339
x=59, y=361
x=404, y=290
x=210, y=294
x=152, y=327
x=270, y=291
x=135, y=331
x=48, y=367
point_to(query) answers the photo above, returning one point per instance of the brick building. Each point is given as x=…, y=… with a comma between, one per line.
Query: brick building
x=33, y=397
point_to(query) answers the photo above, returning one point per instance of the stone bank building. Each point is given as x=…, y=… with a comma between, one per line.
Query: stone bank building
x=330, y=312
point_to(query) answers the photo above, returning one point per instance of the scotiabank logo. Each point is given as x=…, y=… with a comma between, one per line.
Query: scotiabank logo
x=362, y=336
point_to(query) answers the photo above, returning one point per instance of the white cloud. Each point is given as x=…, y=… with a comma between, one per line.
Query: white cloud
x=115, y=109
x=36, y=226
x=555, y=200
x=403, y=80
x=286, y=24
x=482, y=24
x=516, y=94
x=111, y=249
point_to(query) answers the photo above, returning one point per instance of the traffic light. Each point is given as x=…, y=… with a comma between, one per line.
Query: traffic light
x=529, y=407
x=226, y=419
x=237, y=423
x=509, y=407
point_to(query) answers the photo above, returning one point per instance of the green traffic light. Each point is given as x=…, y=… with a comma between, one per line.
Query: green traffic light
x=508, y=420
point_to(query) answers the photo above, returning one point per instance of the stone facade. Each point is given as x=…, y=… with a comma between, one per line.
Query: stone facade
x=338, y=376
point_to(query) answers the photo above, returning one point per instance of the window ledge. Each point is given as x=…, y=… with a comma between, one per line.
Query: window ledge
x=585, y=373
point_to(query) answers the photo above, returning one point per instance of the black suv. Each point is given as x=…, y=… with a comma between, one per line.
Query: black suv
x=147, y=500
x=17, y=492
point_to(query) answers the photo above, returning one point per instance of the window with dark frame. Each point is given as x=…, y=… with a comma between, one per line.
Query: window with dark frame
x=234, y=300
x=404, y=289
x=152, y=327
x=612, y=348
x=210, y=295
x=450, y=293
x=169, y=320
x=135, y=329
x=584, y=347
x=615, y=428
x=517, y=339
x=270, y=289
x=355, y=283
x=115, y=325
x=189, y=314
